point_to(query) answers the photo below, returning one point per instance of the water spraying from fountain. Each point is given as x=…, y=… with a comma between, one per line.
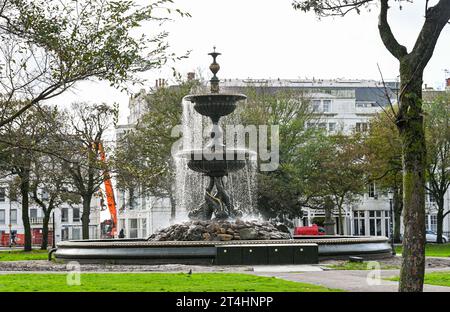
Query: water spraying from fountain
x=189, y=188
x=229, y=174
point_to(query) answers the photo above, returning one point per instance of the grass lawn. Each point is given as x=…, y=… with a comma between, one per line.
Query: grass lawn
x=433, y=278
x=433, y=250
x=360, y=266
x=16, y=255
x=152, y=282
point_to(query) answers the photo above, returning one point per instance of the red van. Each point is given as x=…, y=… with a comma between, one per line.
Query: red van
x=309, y=230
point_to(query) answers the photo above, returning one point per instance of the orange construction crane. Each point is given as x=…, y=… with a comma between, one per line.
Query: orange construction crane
x=109, y=192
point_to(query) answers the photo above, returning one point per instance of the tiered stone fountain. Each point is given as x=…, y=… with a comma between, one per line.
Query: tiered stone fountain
x=216, y=234
x=216, y=161
x=217, y=219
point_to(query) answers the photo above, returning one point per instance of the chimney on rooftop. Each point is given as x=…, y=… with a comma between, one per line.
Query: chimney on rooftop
x=190, y=76
x=160, y=83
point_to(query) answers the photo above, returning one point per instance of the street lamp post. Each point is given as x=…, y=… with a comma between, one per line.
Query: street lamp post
x=54, y=236
x=10, y=225
x=391, y=220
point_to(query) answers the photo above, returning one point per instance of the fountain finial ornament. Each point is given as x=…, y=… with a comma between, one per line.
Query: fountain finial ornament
x=214, y=67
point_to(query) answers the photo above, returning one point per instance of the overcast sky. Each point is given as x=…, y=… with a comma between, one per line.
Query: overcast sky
x=268, y=39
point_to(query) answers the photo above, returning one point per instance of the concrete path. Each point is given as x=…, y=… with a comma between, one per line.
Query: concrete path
x=352, y=280
x=286, y=268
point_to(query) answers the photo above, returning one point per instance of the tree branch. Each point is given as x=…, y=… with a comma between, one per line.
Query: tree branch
x=435, y=19
x=389, y=41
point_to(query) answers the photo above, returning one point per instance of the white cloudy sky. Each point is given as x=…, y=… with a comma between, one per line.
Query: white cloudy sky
x=268, y=39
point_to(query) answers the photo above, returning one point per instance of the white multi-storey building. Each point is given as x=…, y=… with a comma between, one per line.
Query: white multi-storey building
x=348, y=105
x=341, y=105
x=139, y=214
x=67, y=220
x=344, y=106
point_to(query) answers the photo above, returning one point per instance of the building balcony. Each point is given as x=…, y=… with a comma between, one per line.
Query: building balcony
x=39, y=222
x=367, y=111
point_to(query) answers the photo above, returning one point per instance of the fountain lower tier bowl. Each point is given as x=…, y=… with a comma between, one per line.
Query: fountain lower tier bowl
x=217, y=164
x=215, y=105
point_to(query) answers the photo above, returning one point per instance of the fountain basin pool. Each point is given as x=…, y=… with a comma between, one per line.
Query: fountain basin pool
x=244, y=252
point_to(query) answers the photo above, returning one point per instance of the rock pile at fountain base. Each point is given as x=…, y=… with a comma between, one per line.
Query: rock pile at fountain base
x=222, y=230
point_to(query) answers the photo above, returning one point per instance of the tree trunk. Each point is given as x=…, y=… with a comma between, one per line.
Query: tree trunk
x=411, y=129
x=44, y=243
x=24, y=191
x=398, y=207
x=341, y=222
x=85, y=216
x=440, y=220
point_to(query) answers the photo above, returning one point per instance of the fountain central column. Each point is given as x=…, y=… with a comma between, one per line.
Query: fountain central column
x=215, y=160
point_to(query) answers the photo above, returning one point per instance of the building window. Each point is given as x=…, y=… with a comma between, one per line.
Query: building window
x=133, y=228
x=377, y=221
x=371, y=227
x=76, y=214
x=362, y=126
x=2, y=216
x=326, y=105
x=122, y=226
x=366, y=104
x=372, y=190
x=316, y=105
x=431, y=198
x=2, y=194
x=76, y=233
x=322, y=126
x=33, y=213
x=64, y=215
x=13, y=216
x=379, y=230
x=332, y=127
x=359, y=222
x=64, y=234
x=433, y=223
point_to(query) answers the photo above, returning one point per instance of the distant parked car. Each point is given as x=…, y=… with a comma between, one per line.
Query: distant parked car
x=309, y=230
x=432, y=237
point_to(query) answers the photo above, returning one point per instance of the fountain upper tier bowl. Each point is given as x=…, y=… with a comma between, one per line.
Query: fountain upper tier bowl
x=217, y=164
x=215, y=105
